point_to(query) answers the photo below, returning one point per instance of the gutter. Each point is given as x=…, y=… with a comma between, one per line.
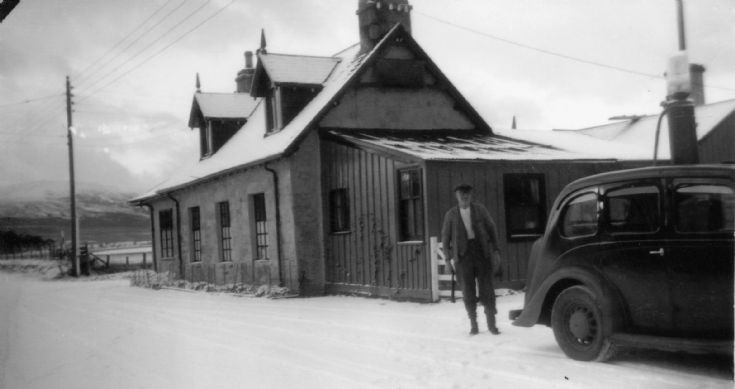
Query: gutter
x=178, y=234
x=278, y=224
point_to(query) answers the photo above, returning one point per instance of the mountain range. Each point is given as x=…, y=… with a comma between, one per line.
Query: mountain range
x=43, y=208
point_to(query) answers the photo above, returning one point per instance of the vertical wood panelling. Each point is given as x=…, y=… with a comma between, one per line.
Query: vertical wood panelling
x=369, y=255
x=487, y=178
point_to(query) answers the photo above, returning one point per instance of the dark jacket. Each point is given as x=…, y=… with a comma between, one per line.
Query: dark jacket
x=454, y=234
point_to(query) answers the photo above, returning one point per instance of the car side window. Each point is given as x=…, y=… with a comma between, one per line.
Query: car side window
x=580, y=216
x=704, y=208
x=633, y=209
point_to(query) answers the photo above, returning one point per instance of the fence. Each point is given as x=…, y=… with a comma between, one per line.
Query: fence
x=137, y=257
x=440, y=274
x=41, y=253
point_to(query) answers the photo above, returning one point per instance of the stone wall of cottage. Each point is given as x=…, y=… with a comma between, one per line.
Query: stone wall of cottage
x=301, y=243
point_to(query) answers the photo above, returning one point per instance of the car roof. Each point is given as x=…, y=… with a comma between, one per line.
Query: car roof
x=712, y=170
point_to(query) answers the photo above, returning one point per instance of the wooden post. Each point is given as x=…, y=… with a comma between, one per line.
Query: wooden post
x=145, y=265
x=434, y=263
x=108, y=260
x=127, y=261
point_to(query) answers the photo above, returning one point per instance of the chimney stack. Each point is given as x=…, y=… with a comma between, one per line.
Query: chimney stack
x=244, y=79
x=696, y=72
x=377, y=17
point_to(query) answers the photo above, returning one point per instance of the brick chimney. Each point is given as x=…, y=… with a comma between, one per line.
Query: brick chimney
x=696, y=74
x=244, y=79
x=377, y=17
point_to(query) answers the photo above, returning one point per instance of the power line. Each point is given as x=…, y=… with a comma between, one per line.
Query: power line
x=552, y=53
x=31, y=100
x=136, y=40
x=149, y=45
x=160, y=51
x=127, y=36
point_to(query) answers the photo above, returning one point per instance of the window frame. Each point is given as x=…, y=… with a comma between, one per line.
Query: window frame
x=526, y=234
x=680, y=182
x=166, y=232
x=224, y=231
x=259, y=226
x=195, y=230
x=607, y=207
x=565, y=208
x=339, y=211
x=414, y=230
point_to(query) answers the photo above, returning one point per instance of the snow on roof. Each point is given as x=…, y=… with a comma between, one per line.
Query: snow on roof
x=582, y=145
x=641, y=132
x=297, y=69
x=462, y=146
x=225, y=105
x=249, y=146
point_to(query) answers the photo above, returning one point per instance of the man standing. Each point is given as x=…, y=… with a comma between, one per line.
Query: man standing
x=469, y=241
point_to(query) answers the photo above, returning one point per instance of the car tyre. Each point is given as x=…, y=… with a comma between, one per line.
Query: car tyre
x=578, y=325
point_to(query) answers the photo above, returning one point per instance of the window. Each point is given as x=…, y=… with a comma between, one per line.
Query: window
x=580, y=216
x=196, y=234
x=261, y=231
x=633, y=209
x=339, y=210
x=410, y=205
x=166, y=224
x=525, y=204
x=704, y=208
x=224, y=231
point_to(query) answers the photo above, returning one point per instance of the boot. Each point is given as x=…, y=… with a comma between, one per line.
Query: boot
x=491, y=324
x=473, y=327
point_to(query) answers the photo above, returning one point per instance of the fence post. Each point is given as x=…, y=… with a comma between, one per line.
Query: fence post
x=433, y=255
x=145, y=265
x=107, y=257
x=127, y=261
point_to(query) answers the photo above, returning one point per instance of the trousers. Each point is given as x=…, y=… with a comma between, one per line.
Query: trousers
x=475, y=276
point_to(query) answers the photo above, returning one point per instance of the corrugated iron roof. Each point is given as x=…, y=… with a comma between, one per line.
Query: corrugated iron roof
x=468, y=146
x=297, y=69
x=225, y=105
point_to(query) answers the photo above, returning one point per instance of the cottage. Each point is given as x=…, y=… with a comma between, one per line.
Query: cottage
x=338, y=179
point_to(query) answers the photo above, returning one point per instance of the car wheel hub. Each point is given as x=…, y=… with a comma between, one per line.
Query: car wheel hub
x=582, y=325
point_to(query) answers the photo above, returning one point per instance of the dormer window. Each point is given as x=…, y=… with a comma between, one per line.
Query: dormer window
x=218, y=116
x=288, y=83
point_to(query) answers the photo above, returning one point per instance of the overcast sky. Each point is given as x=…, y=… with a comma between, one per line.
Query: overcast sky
x=552, y=64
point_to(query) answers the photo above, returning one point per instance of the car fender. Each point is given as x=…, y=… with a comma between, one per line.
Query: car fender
x=538, y=308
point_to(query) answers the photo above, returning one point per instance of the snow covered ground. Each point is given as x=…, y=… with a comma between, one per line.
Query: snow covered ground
x=106, y=334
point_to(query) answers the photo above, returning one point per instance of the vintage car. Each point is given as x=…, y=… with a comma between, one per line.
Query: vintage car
x=640, y=257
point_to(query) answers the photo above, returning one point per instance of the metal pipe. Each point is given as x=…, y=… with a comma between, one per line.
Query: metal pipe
x=680, y=23
x=178, y=234
x=658, y=132
x=153, y=238
x=278, y=224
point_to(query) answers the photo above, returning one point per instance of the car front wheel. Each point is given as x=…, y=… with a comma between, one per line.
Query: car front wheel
x=577, y=321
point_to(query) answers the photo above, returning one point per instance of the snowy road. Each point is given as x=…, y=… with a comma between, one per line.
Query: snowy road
x=105, y=334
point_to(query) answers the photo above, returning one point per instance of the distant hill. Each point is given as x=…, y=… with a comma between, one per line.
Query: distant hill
x=42, y=208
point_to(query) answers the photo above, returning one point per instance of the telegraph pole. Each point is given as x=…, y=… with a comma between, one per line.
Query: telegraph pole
x=72, y=192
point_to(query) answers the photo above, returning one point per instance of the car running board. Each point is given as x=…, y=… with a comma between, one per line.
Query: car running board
x=695, y=346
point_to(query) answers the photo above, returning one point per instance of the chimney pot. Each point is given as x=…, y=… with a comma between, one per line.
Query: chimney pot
x=696, y=75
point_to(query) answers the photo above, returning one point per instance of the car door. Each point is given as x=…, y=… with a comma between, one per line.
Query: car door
x=630, y=255
x=699, y=251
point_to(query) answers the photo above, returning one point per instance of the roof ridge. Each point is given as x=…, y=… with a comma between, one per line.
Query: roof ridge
x=301, y=56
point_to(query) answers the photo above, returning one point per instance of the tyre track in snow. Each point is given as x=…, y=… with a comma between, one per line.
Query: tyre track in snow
x=218, y=320
x=218, y=335
x=460, y=345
